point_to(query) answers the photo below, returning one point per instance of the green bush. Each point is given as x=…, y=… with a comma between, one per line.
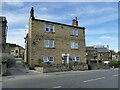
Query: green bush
x=114, y=63
x=7, y=58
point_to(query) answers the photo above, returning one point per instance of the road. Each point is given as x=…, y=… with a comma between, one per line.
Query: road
x=72, y=79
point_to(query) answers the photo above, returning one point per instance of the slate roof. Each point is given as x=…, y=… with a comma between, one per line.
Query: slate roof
x=59, y=23
x=102, y=49
x=90, y=48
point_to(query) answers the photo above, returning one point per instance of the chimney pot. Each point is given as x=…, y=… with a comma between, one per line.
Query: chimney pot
x=75, y=22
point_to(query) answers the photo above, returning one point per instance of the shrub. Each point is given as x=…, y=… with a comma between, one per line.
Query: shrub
x=7, y=58
x=114, y=63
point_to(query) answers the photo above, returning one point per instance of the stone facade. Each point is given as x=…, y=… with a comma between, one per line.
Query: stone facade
x=98, y=54
x=17, y=51
x=3, y=32
x=60, y=49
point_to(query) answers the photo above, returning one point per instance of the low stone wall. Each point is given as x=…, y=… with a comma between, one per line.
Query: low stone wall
x=39, y=69
x=95, y=66
x=61, y=68
x=80, y=67
x=3, y=68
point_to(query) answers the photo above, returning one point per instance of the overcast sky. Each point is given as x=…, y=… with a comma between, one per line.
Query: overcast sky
x=99, y=19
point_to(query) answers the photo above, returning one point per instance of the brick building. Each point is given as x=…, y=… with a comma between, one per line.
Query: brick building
x=54, y=43
x=3, y=32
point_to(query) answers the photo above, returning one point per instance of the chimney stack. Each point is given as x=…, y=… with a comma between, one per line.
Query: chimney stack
x=32, y=13
x=75, y=22
x=107, y=46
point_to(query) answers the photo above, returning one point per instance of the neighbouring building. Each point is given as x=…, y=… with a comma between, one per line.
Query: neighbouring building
x=16, y=50
x=98, y=54
x=54, y=43
x=3, y=33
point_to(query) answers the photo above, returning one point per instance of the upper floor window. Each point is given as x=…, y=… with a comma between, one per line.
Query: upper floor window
x=74, y=32
x=49, y=43
x=49, y=28
x=74, y=45
x=48, y=59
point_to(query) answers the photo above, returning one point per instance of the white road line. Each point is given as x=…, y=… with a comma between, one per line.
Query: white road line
x=93, y=79
x=116, y=75
x=57, y=87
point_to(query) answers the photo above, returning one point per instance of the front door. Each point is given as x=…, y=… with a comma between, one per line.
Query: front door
x=65, y=58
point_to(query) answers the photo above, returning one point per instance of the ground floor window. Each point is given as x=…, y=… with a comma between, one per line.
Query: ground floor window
x=48, y=59
x=76, y=58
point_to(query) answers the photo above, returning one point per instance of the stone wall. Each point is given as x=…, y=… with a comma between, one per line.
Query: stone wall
x=61, y=68
x=3, y=68
x=95, y=66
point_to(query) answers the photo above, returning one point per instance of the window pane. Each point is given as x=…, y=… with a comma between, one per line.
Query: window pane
x=77, y=58
x=51, y=43
x=73, y=32
x=49, y=28
x=45, y=59
x=76, y=45
x=72, y=44
x=46, y=43
x=76, y=32
x=51, y=58
x=46, y=27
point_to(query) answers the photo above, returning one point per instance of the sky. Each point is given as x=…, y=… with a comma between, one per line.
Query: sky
x=99, y=18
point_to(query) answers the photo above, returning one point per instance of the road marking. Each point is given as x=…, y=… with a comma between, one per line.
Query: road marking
x=93, y=79
x=57, y=87
x=116, y=75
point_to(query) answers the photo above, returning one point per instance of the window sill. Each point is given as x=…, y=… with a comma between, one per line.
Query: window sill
x=74, y=35
x=49, y=48
x=50, y=32
x=74, y=49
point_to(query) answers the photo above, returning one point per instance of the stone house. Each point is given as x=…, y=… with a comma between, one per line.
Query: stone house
x=54, y=43
x=17, y=52
x=3, y=33
x=98, y=54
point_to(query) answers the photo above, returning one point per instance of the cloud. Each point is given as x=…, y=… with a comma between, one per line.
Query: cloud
x=100, y=31
x=43, y=9
x=16, y=36
x=17, y=4
x=16, y=19
x=106, y=37
x=61, y=1
x=52, y=17
x=92, y=10
x=99, y=20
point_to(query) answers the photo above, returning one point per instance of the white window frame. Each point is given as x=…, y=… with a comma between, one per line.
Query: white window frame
x=74, y=59
x=49, y=26
x=74, y=32
x=73, y=45
x=47, y=59
x=52, y=60
x=49, y=43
